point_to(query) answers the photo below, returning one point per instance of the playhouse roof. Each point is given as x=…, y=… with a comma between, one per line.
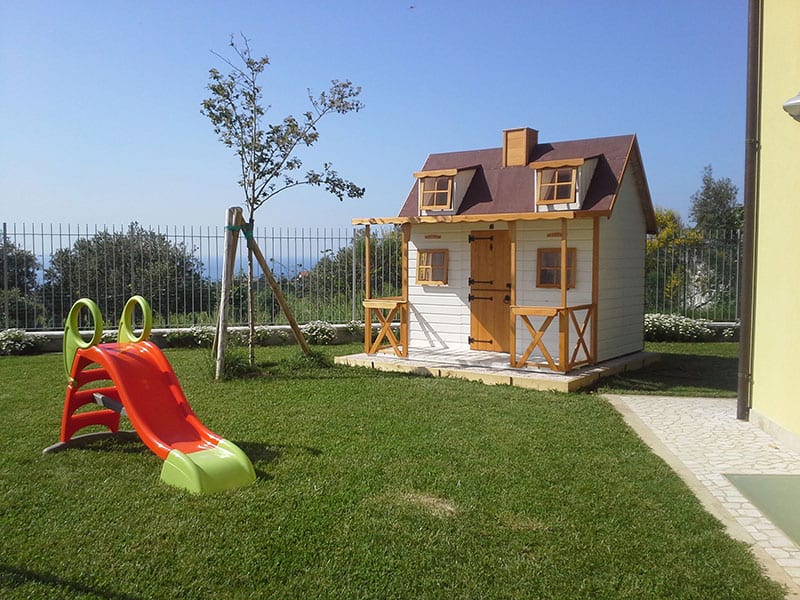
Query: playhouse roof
x=497, y=191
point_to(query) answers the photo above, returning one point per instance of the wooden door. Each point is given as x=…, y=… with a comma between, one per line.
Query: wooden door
x=490, y=290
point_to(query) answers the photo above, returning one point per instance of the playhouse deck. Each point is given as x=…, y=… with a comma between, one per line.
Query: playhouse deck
x=493, y=368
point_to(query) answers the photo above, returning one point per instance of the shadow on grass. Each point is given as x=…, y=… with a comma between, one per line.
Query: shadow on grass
x=679, y=374
x=14, y=577
x=282, y=371
x=264, y=454
x=123, y=441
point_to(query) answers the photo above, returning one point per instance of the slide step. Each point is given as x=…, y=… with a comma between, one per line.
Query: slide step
x=107, y=402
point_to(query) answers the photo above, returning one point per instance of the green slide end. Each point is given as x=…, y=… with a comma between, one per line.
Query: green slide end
x=223, y=467
x=72, y=337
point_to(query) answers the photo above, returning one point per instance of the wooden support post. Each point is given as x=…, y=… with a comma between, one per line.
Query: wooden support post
x=367, y=292
x=595, y=286
x=563, y=341
x=563, y=321
x=367, y=265
x=405, y=237
x=232, y=217
x=512, y=319
x=564, y=269
x=405, y=231
x=276, y=290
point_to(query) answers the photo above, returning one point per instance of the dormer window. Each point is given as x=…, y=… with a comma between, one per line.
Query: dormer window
x=436, y=193
x=557, y=186
x=436, y=189
x=556, y=181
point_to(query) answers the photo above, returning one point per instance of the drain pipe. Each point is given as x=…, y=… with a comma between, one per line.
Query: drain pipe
x=752, y=147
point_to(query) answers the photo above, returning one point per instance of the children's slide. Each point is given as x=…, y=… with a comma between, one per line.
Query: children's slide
x=138, y=381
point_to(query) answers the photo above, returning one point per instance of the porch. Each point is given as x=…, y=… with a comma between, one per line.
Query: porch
x=494, y=368
x=556, y=331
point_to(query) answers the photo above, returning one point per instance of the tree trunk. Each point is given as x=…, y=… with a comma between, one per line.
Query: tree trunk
x=253, y=248
x=251, y=321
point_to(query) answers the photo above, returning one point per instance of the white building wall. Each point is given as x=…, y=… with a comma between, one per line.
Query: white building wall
x=439, y=315
x=620, y=328
x=532, y=235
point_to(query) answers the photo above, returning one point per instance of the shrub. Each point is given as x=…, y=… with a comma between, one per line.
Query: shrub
x=180, y=339
x=319, y=332
x=675, y=328
x=281, y=336
x=16, y=341
x=237, y=337
x=23, y=310
x=356, y=329
x=261, y=336
x=204, y=335
x=199, y=335
x=268, y=336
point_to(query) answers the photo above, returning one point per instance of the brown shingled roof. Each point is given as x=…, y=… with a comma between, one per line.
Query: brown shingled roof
x=500, y=190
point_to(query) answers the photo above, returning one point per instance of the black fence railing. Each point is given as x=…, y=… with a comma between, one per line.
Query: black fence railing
x=695, y=275
x=45, y=268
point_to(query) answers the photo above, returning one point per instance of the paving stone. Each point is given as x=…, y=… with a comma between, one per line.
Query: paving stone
x=708, y=440
x=789, y=563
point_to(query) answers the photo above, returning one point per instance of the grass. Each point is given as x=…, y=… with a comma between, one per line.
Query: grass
x=685, y=369
x=369, y=485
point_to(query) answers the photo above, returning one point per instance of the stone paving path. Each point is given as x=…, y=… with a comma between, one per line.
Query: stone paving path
x=702, y=440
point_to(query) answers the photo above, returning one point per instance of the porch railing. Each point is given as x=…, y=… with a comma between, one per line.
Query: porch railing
x=386, y=311
x=573, y=323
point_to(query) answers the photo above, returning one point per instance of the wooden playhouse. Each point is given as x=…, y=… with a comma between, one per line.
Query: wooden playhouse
x=535, y=249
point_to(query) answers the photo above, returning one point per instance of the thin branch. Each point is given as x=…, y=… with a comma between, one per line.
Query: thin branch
x=285, y=187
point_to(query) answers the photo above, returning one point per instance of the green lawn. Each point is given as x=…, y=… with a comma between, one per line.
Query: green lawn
x=369, y=485
x=685, y=369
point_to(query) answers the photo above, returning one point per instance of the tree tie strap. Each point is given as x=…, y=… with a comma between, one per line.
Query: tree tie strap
x=245, y=228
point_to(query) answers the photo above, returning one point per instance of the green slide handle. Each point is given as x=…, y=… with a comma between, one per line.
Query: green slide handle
x=126, y=334
x=72, y=337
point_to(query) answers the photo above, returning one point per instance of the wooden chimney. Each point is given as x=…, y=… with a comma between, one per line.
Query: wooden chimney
x=518, y=145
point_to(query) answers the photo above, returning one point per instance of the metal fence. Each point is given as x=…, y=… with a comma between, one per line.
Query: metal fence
x=45, y=268
x=696, y=275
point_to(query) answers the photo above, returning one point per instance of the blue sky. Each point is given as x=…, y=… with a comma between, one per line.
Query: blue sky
x=100, y=101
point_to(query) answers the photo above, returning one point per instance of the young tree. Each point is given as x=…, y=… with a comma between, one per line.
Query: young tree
x=268, y=152
x=714, y=205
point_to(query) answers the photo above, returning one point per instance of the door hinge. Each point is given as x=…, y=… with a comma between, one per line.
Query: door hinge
x=473, y=238
x=472, y=340
x=472, y=297
x=472, y=281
